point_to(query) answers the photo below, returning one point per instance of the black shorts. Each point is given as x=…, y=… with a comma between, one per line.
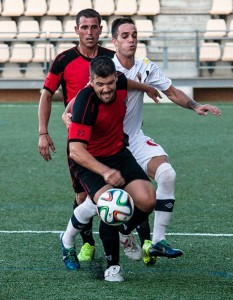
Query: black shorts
x=123, y=161
x=77, y=186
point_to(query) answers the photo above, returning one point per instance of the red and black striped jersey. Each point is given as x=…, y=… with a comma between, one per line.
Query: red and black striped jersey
x=98, y=124
x=70, y=69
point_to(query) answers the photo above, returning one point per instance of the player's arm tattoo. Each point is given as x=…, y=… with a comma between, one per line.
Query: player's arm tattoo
x=191, y=104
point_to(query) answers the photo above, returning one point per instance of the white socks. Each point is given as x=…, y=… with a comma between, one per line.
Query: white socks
x=165, y=177
x=82, y=215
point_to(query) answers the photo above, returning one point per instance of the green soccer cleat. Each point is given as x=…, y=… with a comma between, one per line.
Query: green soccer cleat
x=162, y=248
x=148, y=259
x=86, y=253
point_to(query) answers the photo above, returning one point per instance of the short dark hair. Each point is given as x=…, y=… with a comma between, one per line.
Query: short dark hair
x=88, y=13
x=102, y=66
x=119, y=21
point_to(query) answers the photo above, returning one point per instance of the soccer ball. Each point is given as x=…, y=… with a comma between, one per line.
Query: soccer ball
x=115, y=206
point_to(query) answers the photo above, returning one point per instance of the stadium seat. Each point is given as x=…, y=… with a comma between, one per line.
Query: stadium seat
x=60, y=47
x=58, y=8
x=144, y=27
x=36, y=70
x=109, y=45
x=77, y=5
x=68, y=28
x=230, y=29
x=221, y=7
x=28, y=29
x=43, y=52
x=12, y=8
x=50, y=28
x=228, y=52
x=8, y=29
x=21, y=52
x=110, y=20
x=215, y=28
x=141, y=51
x=124, y=7
x=4, y=56
x=11, y=70
x=105, y=8
x=148, y=8
x=104, y=29
x=210, y=52
x=4, y=53
x=39, y=9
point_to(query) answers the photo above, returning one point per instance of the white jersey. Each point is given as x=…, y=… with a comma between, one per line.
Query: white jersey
x=142, y=147
x=143, y=71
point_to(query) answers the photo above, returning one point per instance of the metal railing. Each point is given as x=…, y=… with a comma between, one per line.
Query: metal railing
x=162, y=46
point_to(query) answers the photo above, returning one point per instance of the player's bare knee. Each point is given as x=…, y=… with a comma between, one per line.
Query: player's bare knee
x=146, y=200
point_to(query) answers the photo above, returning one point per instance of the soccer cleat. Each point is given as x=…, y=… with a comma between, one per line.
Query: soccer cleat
x=113, y=273
x=131, y=248
x=162, y=248
x=69, y=256
x=148, y=259
x=86, y=253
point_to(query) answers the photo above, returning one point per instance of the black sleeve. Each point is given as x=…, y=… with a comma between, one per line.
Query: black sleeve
x=122, y=83
x=84, y=109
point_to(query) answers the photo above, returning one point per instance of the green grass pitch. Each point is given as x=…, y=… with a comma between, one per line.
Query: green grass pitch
x=36, y=202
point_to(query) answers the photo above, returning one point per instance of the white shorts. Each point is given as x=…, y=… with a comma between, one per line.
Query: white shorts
x=144, y=149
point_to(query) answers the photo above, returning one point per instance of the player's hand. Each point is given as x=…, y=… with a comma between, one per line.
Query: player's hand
x=204, y=109
x=154, y=94
x=45, y=143
x=66, y=118
x=113, y=177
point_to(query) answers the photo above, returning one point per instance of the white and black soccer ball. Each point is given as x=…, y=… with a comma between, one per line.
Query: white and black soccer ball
x=115, y=206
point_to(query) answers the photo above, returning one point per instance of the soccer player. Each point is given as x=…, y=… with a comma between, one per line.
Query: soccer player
x=101, y=160
x=70, y=69
x=151, y=156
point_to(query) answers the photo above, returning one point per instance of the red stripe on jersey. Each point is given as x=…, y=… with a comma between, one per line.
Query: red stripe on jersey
x=79, y=132
x=151, y=143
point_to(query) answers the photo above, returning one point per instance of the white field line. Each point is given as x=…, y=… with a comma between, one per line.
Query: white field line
x=95, y=232
x=5, y=105
x=58, y=105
